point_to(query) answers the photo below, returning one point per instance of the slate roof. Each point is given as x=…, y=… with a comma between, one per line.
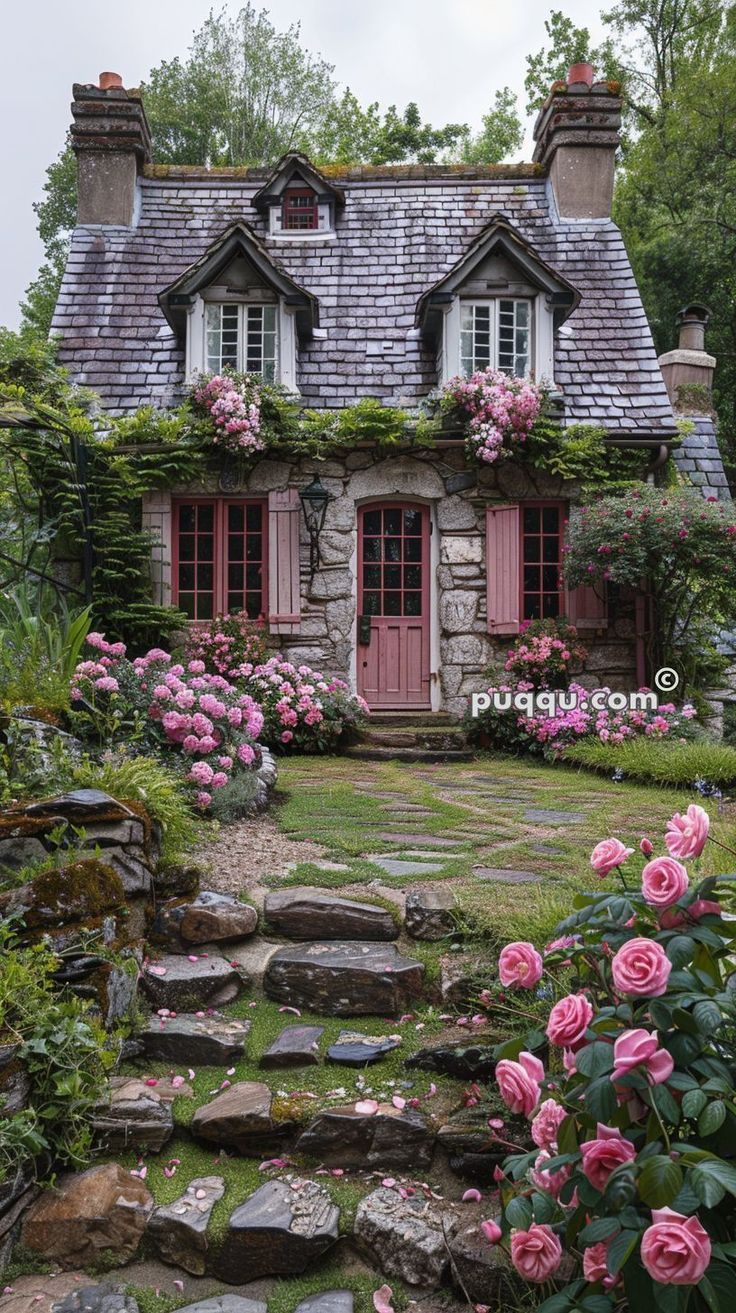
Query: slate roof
x=400, y=231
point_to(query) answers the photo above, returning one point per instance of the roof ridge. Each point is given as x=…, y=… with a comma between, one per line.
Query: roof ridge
x=355, y=172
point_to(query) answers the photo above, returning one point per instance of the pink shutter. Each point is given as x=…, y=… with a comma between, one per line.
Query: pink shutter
x=586, y=608
x=284, y=593
x=503, y=580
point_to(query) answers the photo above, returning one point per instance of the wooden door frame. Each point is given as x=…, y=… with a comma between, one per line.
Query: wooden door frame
x=399, y=503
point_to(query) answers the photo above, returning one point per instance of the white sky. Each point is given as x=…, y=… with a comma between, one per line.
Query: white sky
x=447, y=55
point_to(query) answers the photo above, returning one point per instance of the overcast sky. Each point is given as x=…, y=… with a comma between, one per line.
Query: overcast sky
x=448, y=55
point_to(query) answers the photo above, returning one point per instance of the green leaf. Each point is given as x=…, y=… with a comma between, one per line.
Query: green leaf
x=567, y=1136
x=659, y=1181
x=693, y=1103
x=666, y=1105
x=711, y=1179
x=709, y=1295
x=556, y=1304
x=595, y=1059
x=680, y=950
x=600, y=1099
x=661, y=1015
x=519, y=1213
x=543, y=1207
x=708, y=1016
x=599, y=1229
x=620, y=1248
x=723, y=1281
x=597, y=1304
x=712, y=1117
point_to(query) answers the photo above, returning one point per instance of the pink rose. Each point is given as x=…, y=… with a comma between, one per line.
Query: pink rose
x=520, y=964
x=607, y=855
x=641, y=967
x=686, y=835
x=646, y=847
x=519, y=1082
x=675, y=1249
x=546, y=1124
x=549, y=1182
x=491, y=1230
x=595, y=1267
x=569, y=1020
x=604, y=1154
x=638, y=1048
x=536, y=1253
x=663, y=881
x=703, y=907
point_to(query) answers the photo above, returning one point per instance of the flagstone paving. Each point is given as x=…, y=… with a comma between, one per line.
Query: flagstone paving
x=344, y=1056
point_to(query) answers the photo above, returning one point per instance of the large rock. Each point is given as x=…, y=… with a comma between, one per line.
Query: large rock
x=226, y=1304
x=175, y=982
x=210, y=918
x=342, y=1137
x=178, y=1231
x=195, y=1041
x=329, y=1301
x=83, y=891
x=279, y=1231
x=240, y=1118
x=354, y=1049
x=480, y=1270
x=313, y=914
x=430, y=913
x=463, y=1061
x=406, y=1238
x=345, y=979
x=82, y=805
x=469, y=1142
x=296, y=1046
x=134, y=1116
x=95, y=1299
x=103, y=1209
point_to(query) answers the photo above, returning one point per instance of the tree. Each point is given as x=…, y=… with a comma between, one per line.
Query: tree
x=501, y=132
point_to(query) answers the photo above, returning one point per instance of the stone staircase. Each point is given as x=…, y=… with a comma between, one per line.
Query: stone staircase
x=412, y=736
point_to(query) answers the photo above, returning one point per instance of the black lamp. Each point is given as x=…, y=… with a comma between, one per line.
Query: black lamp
x=314, y=499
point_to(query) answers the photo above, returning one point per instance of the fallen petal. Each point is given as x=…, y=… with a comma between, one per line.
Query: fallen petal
x=295, y=1011
x=472, y=1197
x=382, y=1300
x=367, y=1107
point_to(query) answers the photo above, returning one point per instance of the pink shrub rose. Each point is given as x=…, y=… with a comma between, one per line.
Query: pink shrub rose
x=686, y=835
x=546, y=1124
x=536, y=1253
x=520, y=965
x=675, y=1249
x=663, y=881
x=642, y=968
x=569, y=1020
x=607, y=855
x=549, y=1182
x=638, y=1049
x=604, y=1154
x=595, y=1265
x=491, y=1230
x=519, y=1082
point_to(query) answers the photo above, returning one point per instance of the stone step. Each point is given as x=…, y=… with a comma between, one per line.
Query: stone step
x=309, y=914
x=449, y=737
x=239, y=1118
x=386, y=1137
x=188, y=984
x=344, y=979
x=277, y=1232
x=195, y=1041
x=414, y=719
x=358, y=752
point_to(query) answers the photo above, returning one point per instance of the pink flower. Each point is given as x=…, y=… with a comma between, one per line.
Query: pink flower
x=520, y=964
x=675, y=1249
x=703, y=907
x=638, y=1048
x=604, y=1154
x=569, y=1020
x=646, y=847
x=663, y=881
x=536, y=1253
x=607, y=855
x=546, y=1124
x=595, y=1266
x=519, y=1081
x=551, y=1182
x=491, y=1230
x=641, y=967
x=686, y=835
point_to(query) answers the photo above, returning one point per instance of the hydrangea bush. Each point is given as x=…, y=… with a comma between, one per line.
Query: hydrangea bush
x=303, y=710
x=234, y=406
x=200, y=721
x=228, y=642
x=627, y=1197
x=497, y=411
x=546, y=653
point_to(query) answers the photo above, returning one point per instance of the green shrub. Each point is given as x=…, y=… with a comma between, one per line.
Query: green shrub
x=39, y=649
x=234, y=801
x=144, y=780
x=653, y=761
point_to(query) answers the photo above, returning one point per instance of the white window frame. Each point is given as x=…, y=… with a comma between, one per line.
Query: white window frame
x=541, y=363
x=196, y=345
x=325, y=230
x=486, y=319
x=252, y=331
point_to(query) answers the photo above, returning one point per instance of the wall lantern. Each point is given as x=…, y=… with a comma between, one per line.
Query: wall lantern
x=314, y=499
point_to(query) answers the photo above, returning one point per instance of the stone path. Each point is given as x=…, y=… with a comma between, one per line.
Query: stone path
x=296, y=1105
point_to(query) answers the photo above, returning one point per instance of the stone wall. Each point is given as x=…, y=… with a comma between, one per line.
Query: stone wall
x=461, y=646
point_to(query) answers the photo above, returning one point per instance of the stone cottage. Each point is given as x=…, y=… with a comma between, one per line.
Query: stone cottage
x=379, y=282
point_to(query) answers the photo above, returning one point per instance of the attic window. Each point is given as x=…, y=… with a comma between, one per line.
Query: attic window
x=300, y=211
x=242, y=337
x=496, y=333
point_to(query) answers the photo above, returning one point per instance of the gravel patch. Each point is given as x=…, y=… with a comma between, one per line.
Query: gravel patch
x=244, y=854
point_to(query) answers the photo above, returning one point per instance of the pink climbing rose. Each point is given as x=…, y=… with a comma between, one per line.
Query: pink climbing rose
x=607, y=855
x=520, y=965
x=675, y=1250
x=569, y=1020
x=536, y=1253
x=638, y=1050
x=519, y=1082
x=663, y=881
x=686, y=835
x=604, y=1154
x=641, y=968
x=546, y=1124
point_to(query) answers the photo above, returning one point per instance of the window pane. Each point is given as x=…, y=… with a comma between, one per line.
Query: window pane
x=392, y=549
x=205, y=518
x=205, y=607
x=550, y=549
x=551, y=605
x=235, y=576
x=412, y=549
x=531, y=548
x=412, y=522
x=371, y=549
x=186, y=576
x=186, y=546
x=372, y=522
x=371, y=576
x=254, y=580
x=549, y=578
x=254, y=606
x=531, y=519
x=187, y=519
x=254, y=518
x=392, y=576
x=205, y=547
x=235, y=546
x=221, y=333
x=412, y=603
x=392, y=521
x=412, y=576
x=186, y=604
x=532, y=609
x=514, y=337
x=551, y=519
x=204, y=577
x=475, y=336
x=253, y=546
x=235, y=518
x=371, y=603
x=532, y=578
x=392, y=603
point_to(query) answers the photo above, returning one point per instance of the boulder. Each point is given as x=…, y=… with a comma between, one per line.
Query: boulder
x=480, y=1270
x=353, y=1049
x=312, y=914
x=225, y=1304
x=463, y=1061
x=175, y=982
x=210, y=918
x=134, y=1116
x=80, y=892
x=296, y=1046
x=19, y=852
x=240, y=1118
x=17, y=1191
x=15, y=1083
x=462, y=978
x=103, y=1209
x=344, y=979
x=195, y=1041
x=429, y=913
x=178, y=1231
x=329, y=1301
x=96, y=1299
x=281, y=1230
x=343, y=1137
x=82, y=805
x=405, y=1237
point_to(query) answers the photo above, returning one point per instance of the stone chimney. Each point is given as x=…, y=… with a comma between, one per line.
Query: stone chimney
x=689, y=364
x=111, y=141
x=576, y=135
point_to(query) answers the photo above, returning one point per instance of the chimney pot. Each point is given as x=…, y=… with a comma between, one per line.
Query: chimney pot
x=581, y=72
x=576, y=135
x=112, y=143
x=693, y=320
x=689, y=364
x=108, y=80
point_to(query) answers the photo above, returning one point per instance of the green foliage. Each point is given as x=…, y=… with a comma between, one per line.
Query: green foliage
x=568, y=45
x=56, y=215
x=658, y=761
x=234, y=801
x=149, y=783
x=579, y=452
x=39, y=650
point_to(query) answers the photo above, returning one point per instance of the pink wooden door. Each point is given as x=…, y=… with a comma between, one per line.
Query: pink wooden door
x=393, y=605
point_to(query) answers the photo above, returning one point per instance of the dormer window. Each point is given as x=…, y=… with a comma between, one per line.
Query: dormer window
x=242, y=338
x=498, y=334
x=299, y=210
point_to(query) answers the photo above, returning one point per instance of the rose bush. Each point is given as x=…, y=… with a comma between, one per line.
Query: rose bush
x=228, y=642
x=233, y=403
x=304, y=711
x=497, y=411
x=545, y=653
x=198, y=721
x=633, y=1174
